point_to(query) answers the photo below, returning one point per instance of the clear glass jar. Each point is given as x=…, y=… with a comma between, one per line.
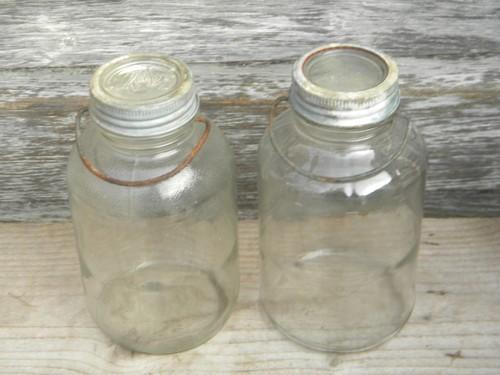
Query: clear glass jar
x=341, y=182
x=152, y=195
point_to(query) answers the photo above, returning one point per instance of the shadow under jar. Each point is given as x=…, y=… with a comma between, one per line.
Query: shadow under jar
x=341, y=182
x=152, y=195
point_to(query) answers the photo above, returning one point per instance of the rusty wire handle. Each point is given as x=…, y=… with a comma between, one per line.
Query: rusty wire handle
x=150, y=181
x=280, y=99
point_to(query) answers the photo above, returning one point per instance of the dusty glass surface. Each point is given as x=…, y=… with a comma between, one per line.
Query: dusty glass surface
x=159, y=262
x=340, y=214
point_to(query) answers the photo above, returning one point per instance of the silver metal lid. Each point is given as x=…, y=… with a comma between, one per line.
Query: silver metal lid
x=345, y=86
x=142, y=95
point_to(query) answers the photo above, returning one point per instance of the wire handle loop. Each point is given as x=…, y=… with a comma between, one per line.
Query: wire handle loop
x=313, y=176
x=274, y=108
x=150, y=181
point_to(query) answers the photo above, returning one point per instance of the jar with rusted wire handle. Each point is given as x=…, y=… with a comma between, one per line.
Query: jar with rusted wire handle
x=152, y=195
x=341, y=182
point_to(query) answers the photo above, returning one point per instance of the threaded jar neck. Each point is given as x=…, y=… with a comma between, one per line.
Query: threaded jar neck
x=344, y=86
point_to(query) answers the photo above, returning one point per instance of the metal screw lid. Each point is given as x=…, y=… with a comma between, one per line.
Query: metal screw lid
x=345, y=86
x=142, y=95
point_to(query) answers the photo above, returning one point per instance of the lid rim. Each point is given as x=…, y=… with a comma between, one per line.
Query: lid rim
x=347, y=119
x=339, y=107
x=156, y=96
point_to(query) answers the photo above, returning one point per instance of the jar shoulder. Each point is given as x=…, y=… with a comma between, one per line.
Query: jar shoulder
x=211, y=172
x=288, y=154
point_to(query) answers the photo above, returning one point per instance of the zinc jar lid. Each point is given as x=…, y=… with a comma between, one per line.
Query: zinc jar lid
x=142, y=95
x=344, y=85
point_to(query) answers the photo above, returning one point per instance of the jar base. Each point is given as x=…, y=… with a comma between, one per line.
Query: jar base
x=161, y=308
x=333, y=349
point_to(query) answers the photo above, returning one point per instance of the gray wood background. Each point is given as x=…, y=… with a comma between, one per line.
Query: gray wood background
x=241, y=54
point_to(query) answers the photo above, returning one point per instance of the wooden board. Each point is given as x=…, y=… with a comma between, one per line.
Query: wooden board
x=459, y=119
x=454, y=329
x=58, y=33
x=241, y=55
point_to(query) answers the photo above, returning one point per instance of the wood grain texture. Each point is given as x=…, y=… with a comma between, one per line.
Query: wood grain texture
x=241, y=55
x=454, y=330
x=61, y=33
x=459, y=118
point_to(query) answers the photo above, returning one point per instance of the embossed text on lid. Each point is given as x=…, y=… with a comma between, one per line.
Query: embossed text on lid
x=142, y=95
x=140, y=82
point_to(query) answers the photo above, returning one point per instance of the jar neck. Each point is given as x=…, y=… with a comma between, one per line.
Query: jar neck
x=335, y=134
x=157, y=144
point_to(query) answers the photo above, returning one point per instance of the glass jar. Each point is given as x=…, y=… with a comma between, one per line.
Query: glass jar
x=152, y=195
x=341, y=183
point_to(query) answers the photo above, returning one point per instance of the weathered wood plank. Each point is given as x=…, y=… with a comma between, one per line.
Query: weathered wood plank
x=60, y=33
x=454, y=330
x=455, y=106
x=447, y=52
x=34, y=160
x=469, y=77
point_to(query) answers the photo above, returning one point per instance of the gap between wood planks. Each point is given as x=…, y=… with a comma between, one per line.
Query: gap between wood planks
x=73, y=103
